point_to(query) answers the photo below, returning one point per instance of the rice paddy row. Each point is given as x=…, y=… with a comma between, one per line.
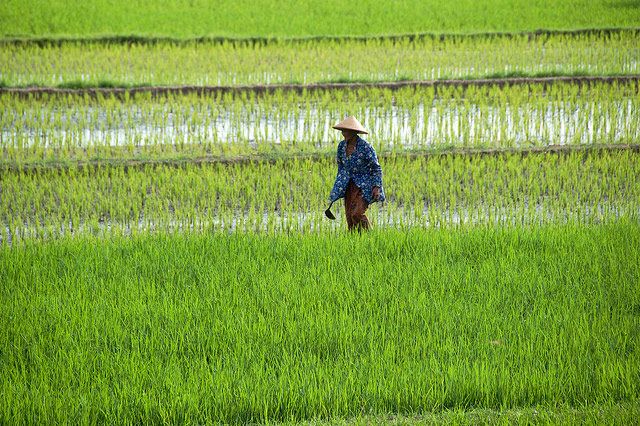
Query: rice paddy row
x=91, y=64
x=61, y=18
x=290, y=196
x=226, y=125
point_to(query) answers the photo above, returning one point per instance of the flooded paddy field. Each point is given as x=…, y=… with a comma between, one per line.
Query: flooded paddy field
x=246, y=123
x=290, y=195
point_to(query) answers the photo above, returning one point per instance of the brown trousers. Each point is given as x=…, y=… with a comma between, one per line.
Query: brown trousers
x=355, y=207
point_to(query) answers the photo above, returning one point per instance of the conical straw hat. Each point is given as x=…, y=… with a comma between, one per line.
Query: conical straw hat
x=350, y=123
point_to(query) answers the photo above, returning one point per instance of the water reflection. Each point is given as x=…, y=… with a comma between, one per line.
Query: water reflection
x=557, y=123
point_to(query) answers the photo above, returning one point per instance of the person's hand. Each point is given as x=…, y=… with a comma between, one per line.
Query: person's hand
x=376, y=192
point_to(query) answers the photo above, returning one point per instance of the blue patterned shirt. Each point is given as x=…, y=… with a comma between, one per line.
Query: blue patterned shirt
x=361, y=167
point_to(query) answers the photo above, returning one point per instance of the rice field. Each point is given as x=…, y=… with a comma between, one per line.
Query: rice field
x=244, y=18
x=244, y=328
x=165, y=258
x=289, y=196
x=241, y=62
x=283, y=122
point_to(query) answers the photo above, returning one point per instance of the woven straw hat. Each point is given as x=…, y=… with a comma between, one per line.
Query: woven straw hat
x=350, y=123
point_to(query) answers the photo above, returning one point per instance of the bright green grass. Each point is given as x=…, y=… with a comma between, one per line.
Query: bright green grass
x=238, y=328
x=74, y=64
x=308, y=17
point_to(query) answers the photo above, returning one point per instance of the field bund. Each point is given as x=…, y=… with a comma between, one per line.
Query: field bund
x=242, y=328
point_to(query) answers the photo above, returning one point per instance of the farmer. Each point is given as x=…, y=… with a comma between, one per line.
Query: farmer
x=359, y=178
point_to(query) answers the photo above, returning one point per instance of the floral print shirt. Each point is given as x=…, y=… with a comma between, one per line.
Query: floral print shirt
x=361, y=167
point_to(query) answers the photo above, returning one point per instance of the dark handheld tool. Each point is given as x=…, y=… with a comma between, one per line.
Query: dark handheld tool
x=328, y=213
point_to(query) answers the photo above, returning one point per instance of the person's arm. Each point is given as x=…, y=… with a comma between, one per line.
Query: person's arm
x=376, y=173
x=338, y=185
x=339, y=161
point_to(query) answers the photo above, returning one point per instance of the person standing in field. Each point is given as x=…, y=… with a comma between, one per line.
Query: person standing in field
x=359, y=178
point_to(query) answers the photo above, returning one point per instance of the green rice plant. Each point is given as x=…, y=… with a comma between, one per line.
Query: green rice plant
x=448, y=190
x=285, y=123
x=146, y=21
x=244, y=328
x=95, y=64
